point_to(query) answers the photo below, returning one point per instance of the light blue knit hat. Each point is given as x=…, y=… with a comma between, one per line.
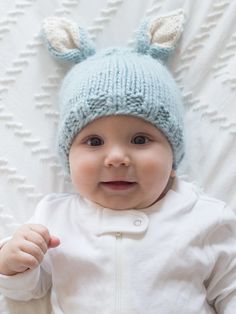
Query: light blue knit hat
x=118, y=81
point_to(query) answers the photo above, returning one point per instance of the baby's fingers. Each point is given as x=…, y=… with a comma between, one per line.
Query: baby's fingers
x=33, y=251
x=40, y=230
x=19, y=262
x=25, y=261
x=40, y=235
x=54, y=242
x=38, y=240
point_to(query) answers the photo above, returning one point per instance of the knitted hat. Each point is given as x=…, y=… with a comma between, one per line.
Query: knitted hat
x=118, y=81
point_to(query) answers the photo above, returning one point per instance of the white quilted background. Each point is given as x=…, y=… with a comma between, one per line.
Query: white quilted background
x=204, y=66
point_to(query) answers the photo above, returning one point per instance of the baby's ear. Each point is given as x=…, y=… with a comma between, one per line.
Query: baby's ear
x=158, y=37
x=66, y=40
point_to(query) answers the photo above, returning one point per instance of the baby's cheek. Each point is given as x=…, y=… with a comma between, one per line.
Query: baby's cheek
x=156, y=173
x=84, y=175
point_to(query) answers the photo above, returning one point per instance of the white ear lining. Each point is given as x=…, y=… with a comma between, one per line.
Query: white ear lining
x=166, y=30
x=62, y=34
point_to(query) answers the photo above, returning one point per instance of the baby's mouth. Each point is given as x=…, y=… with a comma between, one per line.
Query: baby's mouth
x=118, y=185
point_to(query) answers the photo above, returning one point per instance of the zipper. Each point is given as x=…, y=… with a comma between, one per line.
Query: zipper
x=118, y=273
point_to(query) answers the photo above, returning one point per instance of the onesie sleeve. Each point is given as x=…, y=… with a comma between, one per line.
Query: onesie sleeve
x=31, y=284
x=221, y=285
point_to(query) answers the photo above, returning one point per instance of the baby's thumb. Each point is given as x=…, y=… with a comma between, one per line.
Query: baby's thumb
x=53, y=242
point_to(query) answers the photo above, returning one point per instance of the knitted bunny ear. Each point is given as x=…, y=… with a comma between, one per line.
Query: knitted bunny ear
x=66, y=40
x=158, y=37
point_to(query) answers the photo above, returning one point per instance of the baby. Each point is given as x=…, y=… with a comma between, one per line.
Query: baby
x=134, y=238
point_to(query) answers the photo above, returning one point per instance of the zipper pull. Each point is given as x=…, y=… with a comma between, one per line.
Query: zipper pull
x=118, y=235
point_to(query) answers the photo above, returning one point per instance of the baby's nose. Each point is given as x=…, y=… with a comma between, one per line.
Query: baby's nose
x=117, y=157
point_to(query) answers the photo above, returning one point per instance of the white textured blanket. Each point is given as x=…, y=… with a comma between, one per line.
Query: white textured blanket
x=204, y=66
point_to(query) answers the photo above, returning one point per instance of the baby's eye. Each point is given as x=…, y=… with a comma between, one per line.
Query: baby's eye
x=94, y=141
x=140, y=139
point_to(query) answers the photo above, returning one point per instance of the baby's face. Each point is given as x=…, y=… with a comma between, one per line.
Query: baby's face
x=121, y=162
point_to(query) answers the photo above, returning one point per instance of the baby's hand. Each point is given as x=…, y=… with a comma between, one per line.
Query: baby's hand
x=26, y=249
